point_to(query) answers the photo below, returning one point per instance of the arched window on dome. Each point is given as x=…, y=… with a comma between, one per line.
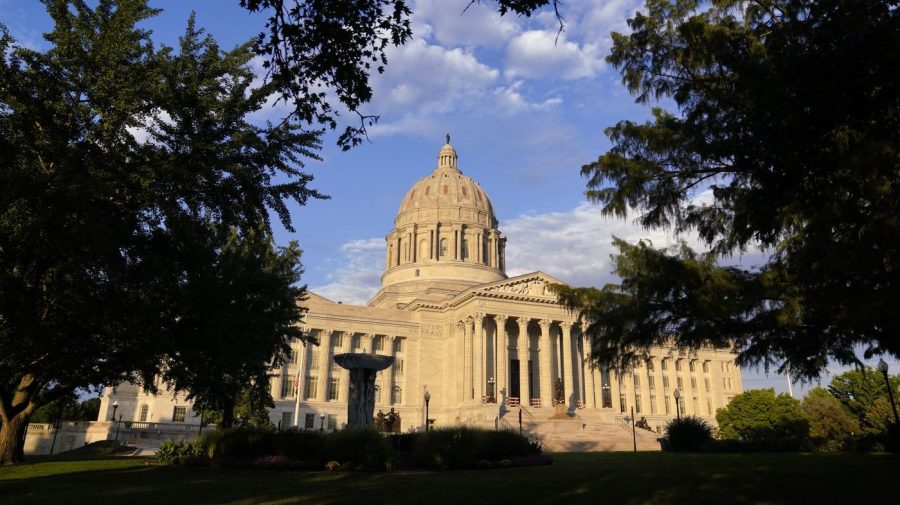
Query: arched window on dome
x=443, y=247
x=465, y=248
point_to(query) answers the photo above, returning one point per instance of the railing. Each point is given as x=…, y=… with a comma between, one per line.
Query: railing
x=527, y=412
x=512, y=401
x=536, y=402
x=579, y=404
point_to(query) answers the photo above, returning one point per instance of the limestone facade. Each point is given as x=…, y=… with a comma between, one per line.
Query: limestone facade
x=480, y=343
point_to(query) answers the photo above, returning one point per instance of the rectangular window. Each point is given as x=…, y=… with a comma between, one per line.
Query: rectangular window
x=680, y=382
x=398, y=345
x=691, y=366
x=729, y=383
x=396, y=395
x=178, y=414
x=314, y=359
x=706, y=384
x=332, y=422
x=287, y=420
x=622, y=406
x=665, y=382
x=696, y=406
x=398, y=368
x=334, y=388
x=724, y=383
x=607, y=398
x=677, y=365
x=637, y=403
x=312, y=384
x=664, y=365
x=652, y=404
x=309, y=422
x=649, y=366
x=637, y=381
x=377, y=343
x=289, y=386
x=651, y=383
x=693, y=383
x=337, y=340
x=706, y=367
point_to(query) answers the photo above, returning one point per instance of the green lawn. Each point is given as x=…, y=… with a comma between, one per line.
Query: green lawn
x=616, y=478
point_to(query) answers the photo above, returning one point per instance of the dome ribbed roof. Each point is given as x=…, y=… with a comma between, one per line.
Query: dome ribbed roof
x=447, y=187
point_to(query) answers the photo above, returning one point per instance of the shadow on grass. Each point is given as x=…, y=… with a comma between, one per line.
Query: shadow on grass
x=621, y=478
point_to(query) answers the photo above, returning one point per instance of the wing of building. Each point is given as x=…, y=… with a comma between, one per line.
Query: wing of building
x=479, y=342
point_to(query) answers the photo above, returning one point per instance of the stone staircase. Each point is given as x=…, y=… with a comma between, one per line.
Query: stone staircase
x=586, y=431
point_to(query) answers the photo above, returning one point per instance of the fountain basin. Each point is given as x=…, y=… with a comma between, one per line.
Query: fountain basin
x=363, y=367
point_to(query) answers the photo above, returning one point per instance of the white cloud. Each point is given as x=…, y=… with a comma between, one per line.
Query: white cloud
x=537, y=54
x=356, y=274
x=479, y=26
x=574, y=246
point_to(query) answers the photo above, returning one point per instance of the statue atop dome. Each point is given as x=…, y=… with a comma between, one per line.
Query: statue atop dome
x=448, y=138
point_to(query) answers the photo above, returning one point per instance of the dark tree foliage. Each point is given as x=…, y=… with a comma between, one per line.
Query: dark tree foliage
x=788, y=115
x=239, y=315
x=100, y=231
x=67, y=408
x=311, y=47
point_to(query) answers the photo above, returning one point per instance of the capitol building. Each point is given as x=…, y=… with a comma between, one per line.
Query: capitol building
x=483, y=345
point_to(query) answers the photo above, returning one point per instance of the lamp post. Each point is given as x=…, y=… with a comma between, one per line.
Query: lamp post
x=491, y=383
x=115, y=408
x=883, y=368
x=118, y=423
x=677, y=395
x=427, y=401
x=322, y=426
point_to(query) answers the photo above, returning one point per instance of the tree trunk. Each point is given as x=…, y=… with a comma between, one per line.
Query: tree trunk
x=12, y=439
x=228, y=413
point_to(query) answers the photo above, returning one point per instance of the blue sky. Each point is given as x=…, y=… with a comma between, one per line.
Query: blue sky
x=524, y=110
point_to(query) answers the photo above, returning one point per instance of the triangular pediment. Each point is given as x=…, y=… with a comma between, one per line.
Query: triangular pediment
x=535, y=284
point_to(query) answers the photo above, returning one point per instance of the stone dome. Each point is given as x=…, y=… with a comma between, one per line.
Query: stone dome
x=446, y=187
x=445, y=238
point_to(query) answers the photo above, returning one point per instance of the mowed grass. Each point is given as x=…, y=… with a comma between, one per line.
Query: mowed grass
x=615, y=478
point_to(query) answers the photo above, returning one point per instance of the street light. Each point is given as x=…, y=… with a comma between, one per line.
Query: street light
x=322, y=426
x=115, y=408
x=883, y=368
x=427, y=401
x=677, y=395
x=491, y=383
x=119, y=423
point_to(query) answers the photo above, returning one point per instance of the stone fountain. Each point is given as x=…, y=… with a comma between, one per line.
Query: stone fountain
x=363, y=368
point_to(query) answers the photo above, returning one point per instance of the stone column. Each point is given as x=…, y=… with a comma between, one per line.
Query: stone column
x=414, y=244
x=324, y=363
x=545, y=371
x=397, y=254
x=492, y=246
x=524, y=356
x=479, y=357
x=277, y=381
x=392, y=370
x=302, y=365
x=569, y=377
x=436, y=242
x=502, y=392
x=346, y=346
x=468, y=389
